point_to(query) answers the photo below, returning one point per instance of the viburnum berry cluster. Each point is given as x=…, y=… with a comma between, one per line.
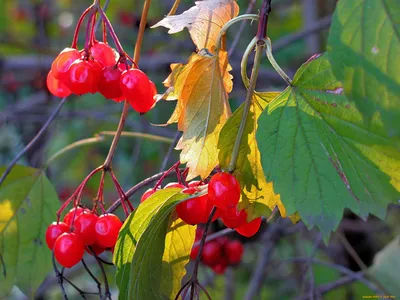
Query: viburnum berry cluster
x=218, y=254
x=80, y=230
x=100, y=68
x=223, y=193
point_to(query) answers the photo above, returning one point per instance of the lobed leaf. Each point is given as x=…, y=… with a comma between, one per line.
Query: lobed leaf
x=204, y=21
x=27, y=205
x=152, y=249
x=364, y=45
x=320, y=154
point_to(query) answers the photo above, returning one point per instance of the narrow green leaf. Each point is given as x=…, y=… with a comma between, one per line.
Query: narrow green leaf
x=321, y=156
x=386, y=267
x=153, y=248
x=258, y=196
x=364, y=45
x=28, y=203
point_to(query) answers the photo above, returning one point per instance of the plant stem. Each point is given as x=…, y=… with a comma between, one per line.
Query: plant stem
x=174, y=8
x=275, y=64
x=114, y=144
x=243, y=65
x=142, y=27
x=78, y=26
x=136, y=57
x=253, y=79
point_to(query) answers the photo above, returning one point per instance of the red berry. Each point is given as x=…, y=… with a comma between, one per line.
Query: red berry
x=199, y=233
x=220, y=267
x=107, y=229
x=62, y=63
x=137, y=89
x=147, y=194
x=194, y=252
x=234, y=251
x=95, y=248
x=233, y=218
x=193, y=210
x=249, y=229
x=85, y=227
x=153, y=88
x=70, y=215
x=109, y=83
x=104, y=54
x=56, y=87
x=194, y=183
x=211, y=253
x=68, y=249
x=54, y=231
x=83, y=76
x=174, y=185
x=224, y=190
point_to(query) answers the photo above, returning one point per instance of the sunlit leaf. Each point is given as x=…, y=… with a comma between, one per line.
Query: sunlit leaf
x=364, y=45
x=28, y=203
x=202, y=109
x=258, y=196
x=204, y=21
x=152, y=249
x=322, y=158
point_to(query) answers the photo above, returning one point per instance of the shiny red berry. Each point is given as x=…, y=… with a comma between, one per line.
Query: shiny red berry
x=83, y=77
x=109, y=83
x=68, y=249
x=249, y=229
x=62, y=63
x=192, y=211
x=107, y=229
x=233, y=218
x=54, y=231
x=211, y=253
x=104, y=54
x=137, y=89
x=194, y=183
x=147, y=194
x=57, y=87
x=70, y=215
x=233, y=251
x=174, y=185
x=224, y=190
x=85, y=227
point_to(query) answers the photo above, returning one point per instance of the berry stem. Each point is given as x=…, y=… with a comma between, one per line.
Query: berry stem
x=174, y=167
x=78, y=26
x=93, y=277
x=112, y=32
x=88, y=37
x=174, y=8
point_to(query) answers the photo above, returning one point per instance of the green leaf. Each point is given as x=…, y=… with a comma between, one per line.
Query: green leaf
x=152, y=249
x=320, y=155
x=258, y=196
x=386, y=267
x=28, y=203
x=364, y=44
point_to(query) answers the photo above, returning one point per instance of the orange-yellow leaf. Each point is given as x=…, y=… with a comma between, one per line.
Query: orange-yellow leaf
x=204, y=21
x=202, y=109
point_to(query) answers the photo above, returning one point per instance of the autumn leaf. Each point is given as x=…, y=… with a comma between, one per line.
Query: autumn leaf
x=258, y=196
x=204, y=21
x=202, y=109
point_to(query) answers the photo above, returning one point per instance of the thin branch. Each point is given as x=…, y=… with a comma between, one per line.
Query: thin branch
x=352, y=252
x=93, y=277
x=268, y=242
x=4, y=266
x=33, y=141
x=170, y=150
x=174, y=8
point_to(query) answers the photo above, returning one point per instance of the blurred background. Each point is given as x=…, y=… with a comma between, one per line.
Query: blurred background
x=33, y=32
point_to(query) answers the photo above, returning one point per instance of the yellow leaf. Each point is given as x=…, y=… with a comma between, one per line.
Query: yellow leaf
x=204, y=21
x=258, y=195
x=202, y=109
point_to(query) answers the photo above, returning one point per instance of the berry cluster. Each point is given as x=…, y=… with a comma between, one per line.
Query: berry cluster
x=224, y=193
x=80, y=230
x=218, y=254
x=100, y=68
